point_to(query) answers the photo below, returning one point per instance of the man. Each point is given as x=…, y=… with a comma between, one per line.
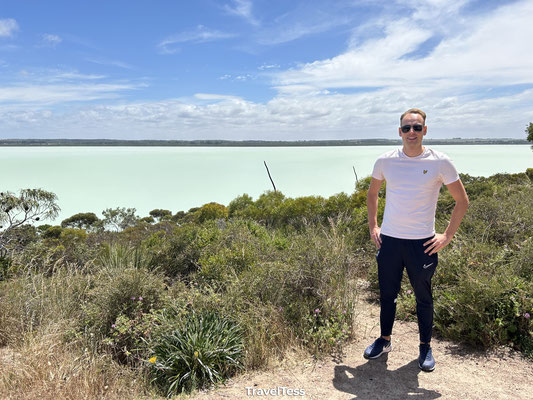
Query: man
x=407, y=238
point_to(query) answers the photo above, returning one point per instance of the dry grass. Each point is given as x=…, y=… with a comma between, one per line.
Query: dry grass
x=43, y=367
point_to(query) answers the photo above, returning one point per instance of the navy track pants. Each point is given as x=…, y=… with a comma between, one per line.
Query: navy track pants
x=392, y=257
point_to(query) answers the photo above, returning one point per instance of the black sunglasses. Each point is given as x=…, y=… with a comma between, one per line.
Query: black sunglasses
x=416, y=128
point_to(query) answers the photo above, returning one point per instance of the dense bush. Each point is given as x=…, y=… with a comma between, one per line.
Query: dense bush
x=122, y=289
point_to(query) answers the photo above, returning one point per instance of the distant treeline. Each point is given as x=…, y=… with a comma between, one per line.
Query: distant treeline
x=245, y=143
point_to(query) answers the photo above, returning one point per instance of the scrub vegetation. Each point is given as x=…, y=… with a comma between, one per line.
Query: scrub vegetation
x=129, y=307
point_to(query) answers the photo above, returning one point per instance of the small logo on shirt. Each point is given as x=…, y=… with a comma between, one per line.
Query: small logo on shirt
x=427, y=266
x=425, y=171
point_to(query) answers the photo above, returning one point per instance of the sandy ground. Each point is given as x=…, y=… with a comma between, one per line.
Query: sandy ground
x=460, y=373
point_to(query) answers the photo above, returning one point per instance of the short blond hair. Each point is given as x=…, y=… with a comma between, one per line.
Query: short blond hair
x=414, y=111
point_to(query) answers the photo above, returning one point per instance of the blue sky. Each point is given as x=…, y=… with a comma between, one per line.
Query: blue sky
x=263, y=69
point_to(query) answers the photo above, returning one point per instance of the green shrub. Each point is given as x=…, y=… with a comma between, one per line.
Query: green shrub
x=117, y=293
x=53, y=232
x=178, y=255
x=5, y=267
x=503, y=218
x=529, y=173
x=205, y=350
x=485, y=310
x=209, y=211
x=237, y=207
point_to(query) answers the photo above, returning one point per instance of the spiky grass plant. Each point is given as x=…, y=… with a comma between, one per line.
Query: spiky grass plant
x=205, y=350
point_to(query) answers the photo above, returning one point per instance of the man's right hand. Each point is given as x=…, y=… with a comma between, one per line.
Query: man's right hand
x=374, y=235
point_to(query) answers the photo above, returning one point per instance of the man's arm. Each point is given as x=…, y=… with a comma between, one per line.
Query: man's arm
x=372, y=207
x=440, y=241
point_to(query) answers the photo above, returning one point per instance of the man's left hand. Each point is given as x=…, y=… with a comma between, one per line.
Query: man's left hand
x=437, y=243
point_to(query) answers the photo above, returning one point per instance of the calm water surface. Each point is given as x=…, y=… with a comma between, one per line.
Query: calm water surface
x=90, y=179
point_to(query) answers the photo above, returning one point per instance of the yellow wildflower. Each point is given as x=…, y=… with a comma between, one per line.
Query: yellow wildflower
x=152, y=360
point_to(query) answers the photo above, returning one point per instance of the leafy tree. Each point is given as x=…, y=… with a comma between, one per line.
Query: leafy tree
x=53, y=232
x=178, y=216
x=207, y=212
x=119, y=218
x=81, y=221
x=529, y=131
x=239, y=204
x=29, y=206
x=160, y=214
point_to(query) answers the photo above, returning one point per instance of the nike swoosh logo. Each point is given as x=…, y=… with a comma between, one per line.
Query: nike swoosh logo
x=427, y=266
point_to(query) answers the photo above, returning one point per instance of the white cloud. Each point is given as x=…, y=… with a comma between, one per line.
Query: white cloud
x=37, y=88
x=237, y=78
x=50, y=39
x=52, y=94
x=489, y=51
x=199, y=35
x=293, y=27
x=113, y=63
x=215, y=116
x=211, y=96
x=243, y=9
x=8, y=27
x=268, y=66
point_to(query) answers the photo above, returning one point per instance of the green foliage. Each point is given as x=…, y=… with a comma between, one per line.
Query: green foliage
x=178, y=216
x=178, y=255
x=5, y=265
x=81, y=221
x=122, y=287
x=53, y=232
x=206, y=349
x=328, y=333
x=29, y=206
x=238, y=206
x=35, y=301
x=160, y=214
x=209, y=211
x=119, y=218
x=17, y=238
x=285, y=276
x=502, y=218
x=119, y=257
x=529, y=131
x=73, y=235
x=529, y=173
x=300, y=211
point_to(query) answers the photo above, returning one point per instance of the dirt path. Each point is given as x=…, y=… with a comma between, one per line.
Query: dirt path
x=461, y=373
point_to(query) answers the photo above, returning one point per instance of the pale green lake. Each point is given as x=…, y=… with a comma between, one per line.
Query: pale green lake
x=90, y=179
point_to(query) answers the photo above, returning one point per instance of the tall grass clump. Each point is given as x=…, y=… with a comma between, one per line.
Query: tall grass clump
x=32, y=301
x=206, y=349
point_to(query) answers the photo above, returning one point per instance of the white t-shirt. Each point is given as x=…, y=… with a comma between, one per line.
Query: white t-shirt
x=413, y=185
